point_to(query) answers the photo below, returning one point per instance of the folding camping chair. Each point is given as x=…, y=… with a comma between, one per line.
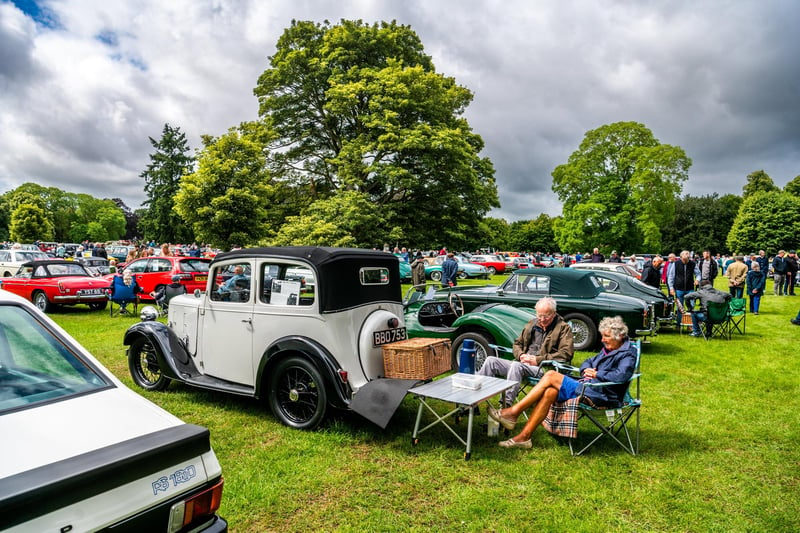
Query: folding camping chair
x=718, y=319
x=738, y=315
x=121, y=295
x=620, y=423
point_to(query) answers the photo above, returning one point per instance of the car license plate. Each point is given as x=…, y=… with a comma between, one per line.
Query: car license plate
x=91, y=292
x=201, y=278
x=385, y=336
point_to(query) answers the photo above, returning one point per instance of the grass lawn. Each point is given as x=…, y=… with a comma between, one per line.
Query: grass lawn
x=718, y=450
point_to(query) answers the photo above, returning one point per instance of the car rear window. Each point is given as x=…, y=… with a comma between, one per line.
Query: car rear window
x=194, y=265
x=35, y=366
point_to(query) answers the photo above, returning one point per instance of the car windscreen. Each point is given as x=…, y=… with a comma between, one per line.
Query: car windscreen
x=194, y=265
x=35, y=366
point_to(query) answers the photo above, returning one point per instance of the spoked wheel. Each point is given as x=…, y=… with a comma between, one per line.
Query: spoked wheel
x=144, y=367
x=584, y=332
x=40, y=300
x=482, y=349
x=297, y=394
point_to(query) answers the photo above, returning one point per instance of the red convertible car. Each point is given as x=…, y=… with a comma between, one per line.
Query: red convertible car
x=51, y=283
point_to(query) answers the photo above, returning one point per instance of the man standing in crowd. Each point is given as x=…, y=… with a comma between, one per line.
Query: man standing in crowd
x=779, y=272
x=682, y=278
x=651, y=273
x=597, y=257
x=736, y=274
x=763, y=261
x=791, y=273
x=614, y=257
x=708, y=267
x=450, y=271
x=669, y=265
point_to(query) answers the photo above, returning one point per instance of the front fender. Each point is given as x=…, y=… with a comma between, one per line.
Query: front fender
x=316, y=353
x=173, y=358
x=503, y=322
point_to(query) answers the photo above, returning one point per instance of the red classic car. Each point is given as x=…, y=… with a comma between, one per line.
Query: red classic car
x=154, y=272
x=51, y=283
x=493, y=264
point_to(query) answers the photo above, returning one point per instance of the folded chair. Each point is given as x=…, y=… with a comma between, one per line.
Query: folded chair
x=738, y=315
x=620, y=423
x=718, y=321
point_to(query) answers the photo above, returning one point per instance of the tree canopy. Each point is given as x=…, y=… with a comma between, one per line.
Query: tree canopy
x=67, y=217
x=701, y=223
x=766, y=220
x=168, y=164
x=228, y=201
x=357, y=107
x=618, y=189
x=758, y=181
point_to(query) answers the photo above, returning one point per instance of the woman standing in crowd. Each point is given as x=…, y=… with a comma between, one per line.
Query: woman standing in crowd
x=756, y=281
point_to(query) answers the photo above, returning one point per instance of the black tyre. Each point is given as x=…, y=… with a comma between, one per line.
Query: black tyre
x=98, y=306
x=482, y=349
x=492, y=270
x=584, y=332
x=297, y=394
x=144, y=367
x=40, y=300
x=436, y=275
x=462, y=275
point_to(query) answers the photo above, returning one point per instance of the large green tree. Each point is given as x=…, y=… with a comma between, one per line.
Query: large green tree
x=766, y=220
x=29, y=222
x=534, y=235
x=758, y=181
x=618, y=189
x=701, y=223
x=230, y=199
x=357, y=107
x=169, y=162
x=793, y=187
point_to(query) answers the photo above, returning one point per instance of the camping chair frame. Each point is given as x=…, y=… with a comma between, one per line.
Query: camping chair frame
x=118, y=301
x=738, y=315
x=620, y=423
x=718, y=319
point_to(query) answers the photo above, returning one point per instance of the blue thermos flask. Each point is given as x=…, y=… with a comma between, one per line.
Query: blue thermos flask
x=466, y=360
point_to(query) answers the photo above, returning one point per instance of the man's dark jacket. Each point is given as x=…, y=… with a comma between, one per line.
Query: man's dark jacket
x=651, y=275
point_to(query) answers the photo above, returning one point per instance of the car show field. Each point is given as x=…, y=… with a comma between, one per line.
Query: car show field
x=709, y=460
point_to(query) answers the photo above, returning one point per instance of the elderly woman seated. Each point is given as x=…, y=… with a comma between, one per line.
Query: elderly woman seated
x=615, y=363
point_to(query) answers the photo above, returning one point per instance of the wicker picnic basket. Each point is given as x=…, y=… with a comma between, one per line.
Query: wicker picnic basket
x=416, y=358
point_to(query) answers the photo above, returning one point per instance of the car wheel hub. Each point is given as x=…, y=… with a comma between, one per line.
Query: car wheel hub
x=294, y=395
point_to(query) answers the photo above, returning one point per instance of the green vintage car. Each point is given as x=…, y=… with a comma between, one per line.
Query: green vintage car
x=580, y=295
x=433, y=314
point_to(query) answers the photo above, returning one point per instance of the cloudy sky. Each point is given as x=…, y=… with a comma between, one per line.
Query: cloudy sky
x=84, y=83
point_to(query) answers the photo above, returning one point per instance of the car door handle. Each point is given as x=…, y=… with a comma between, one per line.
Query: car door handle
x=248, y=321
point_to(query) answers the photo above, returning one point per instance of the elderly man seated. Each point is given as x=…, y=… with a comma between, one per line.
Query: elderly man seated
x=706, y=293
x=546, y=337
x=615, y=363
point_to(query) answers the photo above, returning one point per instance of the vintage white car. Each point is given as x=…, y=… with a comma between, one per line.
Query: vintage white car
x=302, y=327
x=82, y=452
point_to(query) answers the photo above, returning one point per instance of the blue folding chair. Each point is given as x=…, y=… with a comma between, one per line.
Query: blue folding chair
x=122, y=295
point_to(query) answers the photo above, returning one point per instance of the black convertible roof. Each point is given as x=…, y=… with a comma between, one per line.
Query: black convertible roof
x=337, y=271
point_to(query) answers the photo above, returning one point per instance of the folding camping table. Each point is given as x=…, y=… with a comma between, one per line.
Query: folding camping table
x=445, y=391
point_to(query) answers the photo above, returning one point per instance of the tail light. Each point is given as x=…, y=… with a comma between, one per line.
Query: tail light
x=196, y=508
x=343, y=375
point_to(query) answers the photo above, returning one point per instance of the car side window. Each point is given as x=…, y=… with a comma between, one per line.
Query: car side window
x=159, y=265
x=136, y=267
x=232, y=283
x=287, y=284
x=5, y=256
